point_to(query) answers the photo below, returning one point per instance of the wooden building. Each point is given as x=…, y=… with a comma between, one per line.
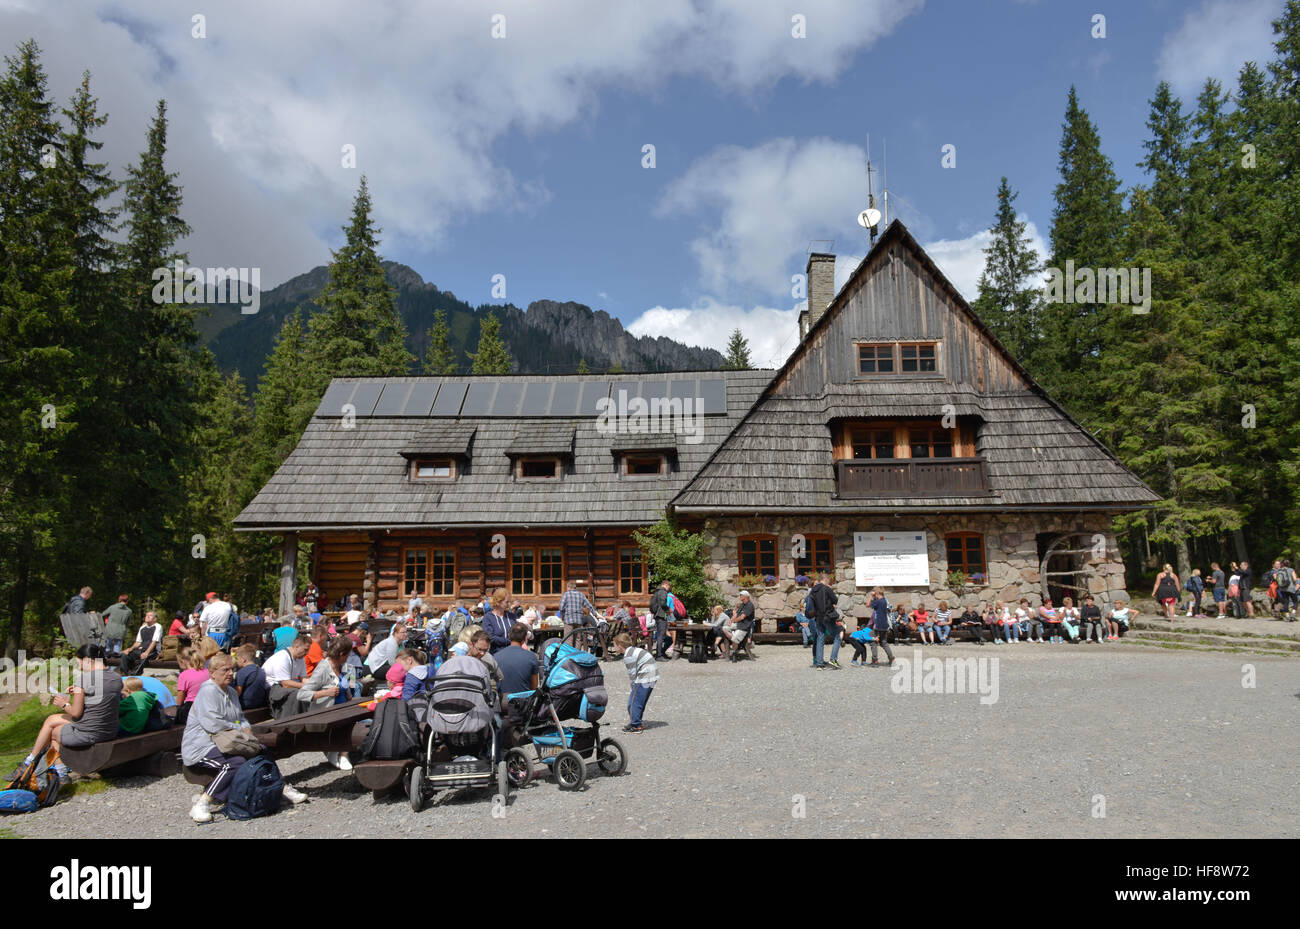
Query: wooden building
x=898, y=413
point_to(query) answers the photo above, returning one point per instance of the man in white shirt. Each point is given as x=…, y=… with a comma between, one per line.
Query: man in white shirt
x=284, y=673
x=214, y=621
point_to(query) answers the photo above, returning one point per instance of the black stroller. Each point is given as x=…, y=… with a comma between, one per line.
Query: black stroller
x=463, y=745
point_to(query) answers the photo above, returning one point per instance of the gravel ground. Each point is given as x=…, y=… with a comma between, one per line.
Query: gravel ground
x=1173, y=742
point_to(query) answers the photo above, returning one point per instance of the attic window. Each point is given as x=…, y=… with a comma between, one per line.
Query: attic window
x=538, y=468
x=877, y=358
x=643, y=465
x=433, y=469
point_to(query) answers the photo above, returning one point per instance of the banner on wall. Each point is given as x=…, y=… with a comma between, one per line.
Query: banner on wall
x=891, y=559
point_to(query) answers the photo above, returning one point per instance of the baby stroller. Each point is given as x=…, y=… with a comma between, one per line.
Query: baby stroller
x=463, y=744
x=572, y=687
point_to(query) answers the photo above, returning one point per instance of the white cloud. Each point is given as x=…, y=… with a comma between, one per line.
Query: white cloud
x=772, y=333
x=962, y=260
x=264, y=103
x=771, y=201
x=1215, y=40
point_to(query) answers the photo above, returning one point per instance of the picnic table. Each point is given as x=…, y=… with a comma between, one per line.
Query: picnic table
x=692, y=632
x=541, y=634
x=153, y=753
x=337, y=728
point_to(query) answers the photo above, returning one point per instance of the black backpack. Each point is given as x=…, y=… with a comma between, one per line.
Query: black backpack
x=698, y=654
x=394, y=733
x=256, y=789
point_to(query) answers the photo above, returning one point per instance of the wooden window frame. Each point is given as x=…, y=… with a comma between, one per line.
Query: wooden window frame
x=896, y=353
x=417, y=462
x=625, y=470
x=929, y=443
x=814, y=570
x=624, y=587
x=964, y=566
x=422, y=586
x=555, y=460
x=759, y=569
x=962, y=436
x=432, y=582
x=537, y=579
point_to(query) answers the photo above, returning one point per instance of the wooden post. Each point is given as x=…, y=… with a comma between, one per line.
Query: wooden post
x=288, y=572
x=370, y=589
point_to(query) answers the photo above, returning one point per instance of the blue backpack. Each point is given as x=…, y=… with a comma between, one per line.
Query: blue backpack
x=256, y=789
x=18, y=801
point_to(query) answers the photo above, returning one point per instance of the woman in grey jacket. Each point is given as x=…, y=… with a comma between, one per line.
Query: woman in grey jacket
x=216, y=709
x=322, y=688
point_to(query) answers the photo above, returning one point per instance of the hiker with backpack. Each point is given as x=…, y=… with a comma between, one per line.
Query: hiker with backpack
x=661, y=607
x=826, y=623
x=1284, y=577
x=1196, y=587
x=218, y=739
x=1166, y=590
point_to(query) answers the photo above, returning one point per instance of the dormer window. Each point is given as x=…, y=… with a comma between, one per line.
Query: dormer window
x=896, y=358
x=433, y=469
x=539, y=469
x=644, y=465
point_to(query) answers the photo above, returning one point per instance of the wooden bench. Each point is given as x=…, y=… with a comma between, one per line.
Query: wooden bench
x=152, y=753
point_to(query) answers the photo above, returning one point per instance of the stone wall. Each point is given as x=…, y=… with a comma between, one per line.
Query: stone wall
x=1010, y=548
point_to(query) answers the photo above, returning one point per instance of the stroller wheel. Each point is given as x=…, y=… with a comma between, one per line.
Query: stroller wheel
x=415, y=789
x=612, y=760
x=570, y=770
x=503, y=782
x=520, y=767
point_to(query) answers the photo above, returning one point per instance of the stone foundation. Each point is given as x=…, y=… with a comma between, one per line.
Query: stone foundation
x=1010, y=549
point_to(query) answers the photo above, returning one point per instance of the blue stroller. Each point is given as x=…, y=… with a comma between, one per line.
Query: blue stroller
x=572, y=687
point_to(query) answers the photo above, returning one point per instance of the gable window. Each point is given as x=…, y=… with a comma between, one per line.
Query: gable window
x=631, y=571
x=436, y=469
x=538, y=468
x=536, y=571
x=966, y=552
x=894, y=358
x=757, y=554
x=643, y=465
x=818, y=556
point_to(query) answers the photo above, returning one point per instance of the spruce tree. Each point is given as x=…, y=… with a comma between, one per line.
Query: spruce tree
x=285, y=399
x=737, y=358
x=491, y=357
x=1166, y=158
x=1086, y=224
x=358, y=332
x=1010, y=295
x=440, y=358
x=583, y=367
x=37, y=397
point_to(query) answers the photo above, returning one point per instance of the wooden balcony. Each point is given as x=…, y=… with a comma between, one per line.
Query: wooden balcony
x=911, y=477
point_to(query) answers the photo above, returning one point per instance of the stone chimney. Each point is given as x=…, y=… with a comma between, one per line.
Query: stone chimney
x=821, y=287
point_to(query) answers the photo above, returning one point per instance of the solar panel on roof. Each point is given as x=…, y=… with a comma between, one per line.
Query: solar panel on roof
x=713, y=391
x=592, y=391
x=478, y=402
x=393, y=400
x=338, y=393
x=450, y=397
x=420, y=401
x=683, y=388
x=564, y=402
x=507, y=399
x=537, y=399
x=652, y=389
x=366, y=396
x=633, y=389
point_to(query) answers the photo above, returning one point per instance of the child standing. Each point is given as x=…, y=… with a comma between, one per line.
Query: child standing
x=643, y=673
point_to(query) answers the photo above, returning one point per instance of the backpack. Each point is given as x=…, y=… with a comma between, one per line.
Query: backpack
x=394, y=733
x=1284, y=578
x=36, y=785
x=679, y=607
x=698, y=654
x=256, y=789
x=809, y=607
x=456, y=623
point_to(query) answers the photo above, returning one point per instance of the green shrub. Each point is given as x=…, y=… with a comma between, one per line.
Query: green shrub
x=676, y=555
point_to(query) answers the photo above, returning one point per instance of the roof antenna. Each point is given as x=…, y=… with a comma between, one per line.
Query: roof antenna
x=869, y=218
x=884, y=179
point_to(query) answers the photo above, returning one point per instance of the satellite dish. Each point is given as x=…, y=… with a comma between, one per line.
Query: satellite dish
x=869, y=218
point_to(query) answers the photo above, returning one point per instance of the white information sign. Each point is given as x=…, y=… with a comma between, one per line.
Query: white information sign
x=891, y=559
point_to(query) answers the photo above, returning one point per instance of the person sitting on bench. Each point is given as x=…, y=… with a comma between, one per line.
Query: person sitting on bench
x=139, y=711
x=250, y=680
x=284, y=673
x=973, y=622
x=741, y=625
x=147, y=645
x=91, y=715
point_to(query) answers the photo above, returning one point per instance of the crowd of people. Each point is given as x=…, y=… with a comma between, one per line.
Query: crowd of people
x=1231, y=591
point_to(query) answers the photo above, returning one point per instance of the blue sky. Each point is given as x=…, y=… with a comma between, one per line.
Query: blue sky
x=522, y=155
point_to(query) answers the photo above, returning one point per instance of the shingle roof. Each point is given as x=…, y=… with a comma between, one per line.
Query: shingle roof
x=356, y=477
x=441, y=437
x=647, y=442
x=544, y=438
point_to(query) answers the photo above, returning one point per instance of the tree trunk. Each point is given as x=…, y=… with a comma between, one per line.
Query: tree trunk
x=1239, y=542
x=1184, y=560
x=18, y=596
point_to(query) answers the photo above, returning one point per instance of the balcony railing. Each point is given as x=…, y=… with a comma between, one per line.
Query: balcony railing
x=912, y=477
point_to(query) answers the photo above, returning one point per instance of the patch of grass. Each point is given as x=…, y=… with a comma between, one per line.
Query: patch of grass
x=18, y=731
x=8, y=834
